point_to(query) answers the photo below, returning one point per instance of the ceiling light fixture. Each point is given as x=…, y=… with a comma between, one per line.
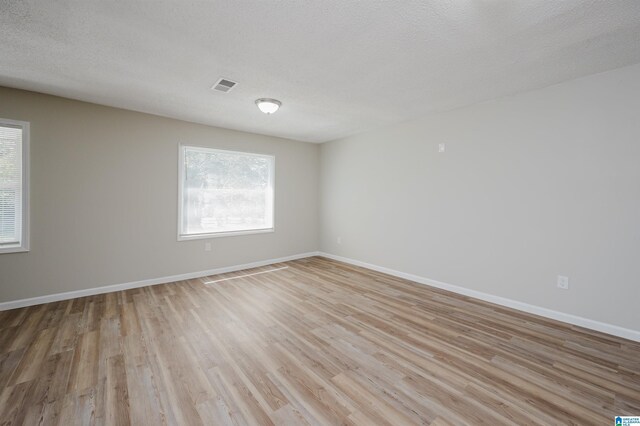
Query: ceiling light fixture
x=268, y=106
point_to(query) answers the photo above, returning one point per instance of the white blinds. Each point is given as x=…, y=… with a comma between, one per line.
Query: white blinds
x=10, y=185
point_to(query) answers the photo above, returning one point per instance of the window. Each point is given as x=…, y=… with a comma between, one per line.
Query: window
x=224, y=193
x=14, y=186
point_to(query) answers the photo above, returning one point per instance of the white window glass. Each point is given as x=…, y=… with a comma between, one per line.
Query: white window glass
x=13, y=186
x=224, y=192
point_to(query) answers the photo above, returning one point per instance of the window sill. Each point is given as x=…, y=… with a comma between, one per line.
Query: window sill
x=223, y=234
x=13, y=249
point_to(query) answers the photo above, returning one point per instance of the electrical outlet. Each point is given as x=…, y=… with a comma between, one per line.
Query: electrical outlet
x=440, y=147
x=207, y=246
x=563, y=282
x=339, y=240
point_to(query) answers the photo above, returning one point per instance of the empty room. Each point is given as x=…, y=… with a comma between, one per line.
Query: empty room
x=261, y=212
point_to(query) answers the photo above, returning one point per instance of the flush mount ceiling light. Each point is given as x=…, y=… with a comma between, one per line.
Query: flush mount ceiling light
x=268, y=106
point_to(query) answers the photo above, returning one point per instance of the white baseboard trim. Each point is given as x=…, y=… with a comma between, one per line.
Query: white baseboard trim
x=153, y=281
x=514, y=304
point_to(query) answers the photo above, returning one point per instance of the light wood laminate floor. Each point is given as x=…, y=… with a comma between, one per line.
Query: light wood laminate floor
x=318, y=342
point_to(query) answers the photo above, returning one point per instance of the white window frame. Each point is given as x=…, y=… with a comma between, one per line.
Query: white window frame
x=24, y=238
x=207, y=235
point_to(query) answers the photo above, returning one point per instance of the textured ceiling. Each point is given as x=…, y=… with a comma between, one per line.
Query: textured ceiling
x=339, y=67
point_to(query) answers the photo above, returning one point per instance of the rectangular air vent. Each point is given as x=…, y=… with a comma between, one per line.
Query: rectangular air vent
x=224, y=85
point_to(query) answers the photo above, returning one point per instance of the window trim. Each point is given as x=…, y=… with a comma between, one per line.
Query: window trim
x=208, y=235
x=25, y=225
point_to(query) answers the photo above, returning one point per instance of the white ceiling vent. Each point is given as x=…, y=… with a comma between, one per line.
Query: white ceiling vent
x=224, y=85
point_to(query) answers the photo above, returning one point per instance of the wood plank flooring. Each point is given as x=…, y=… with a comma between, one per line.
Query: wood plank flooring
x=318, y=342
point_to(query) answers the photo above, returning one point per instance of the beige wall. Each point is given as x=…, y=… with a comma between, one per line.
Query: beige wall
x=530, y=187
x=104, y=194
